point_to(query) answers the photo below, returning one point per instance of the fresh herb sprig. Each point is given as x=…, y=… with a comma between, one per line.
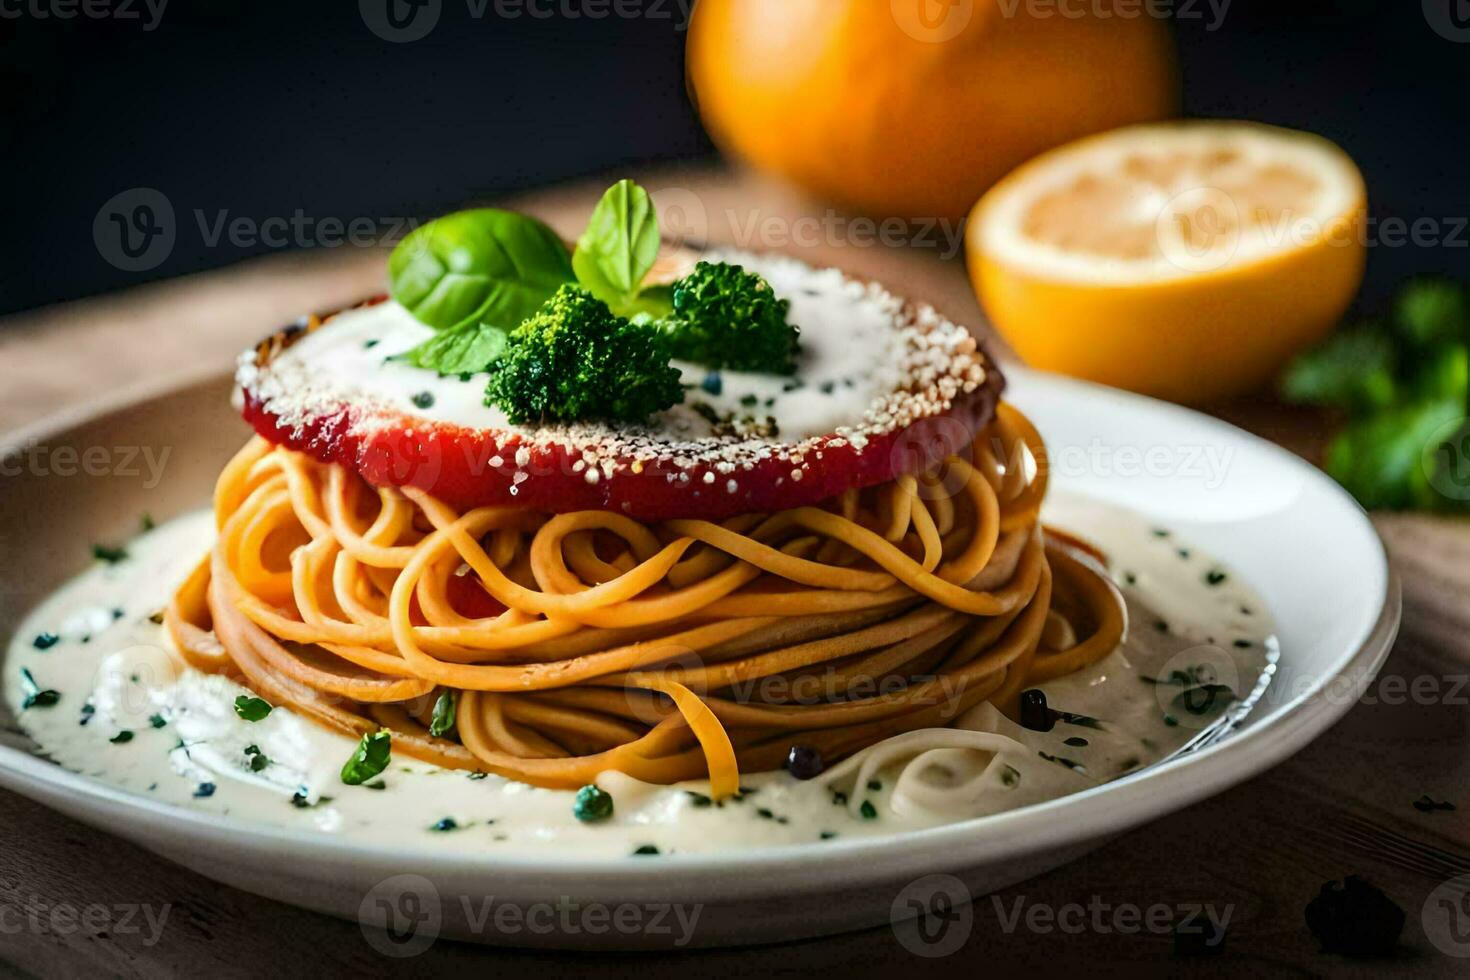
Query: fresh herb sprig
x=33, y=695
x=251, y=708
x=479, y=267
x=618, y=250
x=1403, y=384
x=371, y=757
x=444, y=711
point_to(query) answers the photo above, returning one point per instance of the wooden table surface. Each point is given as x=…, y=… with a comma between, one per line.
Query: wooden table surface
x=1343, y=806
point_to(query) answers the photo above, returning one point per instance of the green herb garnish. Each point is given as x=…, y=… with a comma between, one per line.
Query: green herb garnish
x=123, y=737
x=251, y=708
x=619, y=248
x=443, y=718
x=1072, y=764
x=1403, y=384
x=157, y=721
x=444, y=825
x=373, y=754
x=109, y=554
x=576, y=359
x=466, y=349
x=569, y=338
x=45, y=641
x=482, y=266
x=34, y=695
x=592, y=804
x=868, y=811
x=1081, y=721
x=644, y=850
x=258, y=759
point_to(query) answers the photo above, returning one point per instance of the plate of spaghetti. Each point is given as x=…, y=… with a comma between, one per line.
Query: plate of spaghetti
x=610, y=572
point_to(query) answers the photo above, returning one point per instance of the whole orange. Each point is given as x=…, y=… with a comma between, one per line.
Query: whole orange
x=915, y=107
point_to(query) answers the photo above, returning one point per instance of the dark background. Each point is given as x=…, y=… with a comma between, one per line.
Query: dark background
x=261, y=108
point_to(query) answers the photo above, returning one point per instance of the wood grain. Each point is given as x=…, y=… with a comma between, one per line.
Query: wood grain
x=1343, y=806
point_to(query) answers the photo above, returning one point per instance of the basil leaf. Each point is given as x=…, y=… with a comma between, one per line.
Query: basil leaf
x=619, y=246
x=373, y=754
x=655, y=302
x=443, y=718
x=479, y=266
x=466, y=349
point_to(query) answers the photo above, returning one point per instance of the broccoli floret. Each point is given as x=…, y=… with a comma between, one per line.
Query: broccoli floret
x=575, y=359
x=725, y=317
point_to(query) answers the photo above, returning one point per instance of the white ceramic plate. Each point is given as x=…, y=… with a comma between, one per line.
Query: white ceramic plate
x=1288, y=530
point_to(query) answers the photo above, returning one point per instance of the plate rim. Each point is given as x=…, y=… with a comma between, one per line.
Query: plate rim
x=787, y=868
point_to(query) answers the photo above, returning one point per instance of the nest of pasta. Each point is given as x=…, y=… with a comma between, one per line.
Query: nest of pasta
x=583, y=641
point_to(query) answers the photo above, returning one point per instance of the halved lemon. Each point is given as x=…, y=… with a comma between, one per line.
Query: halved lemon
x=1185, y=260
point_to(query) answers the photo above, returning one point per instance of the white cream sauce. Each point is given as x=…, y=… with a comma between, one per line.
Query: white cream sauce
x=116, y=673
x=851, y=357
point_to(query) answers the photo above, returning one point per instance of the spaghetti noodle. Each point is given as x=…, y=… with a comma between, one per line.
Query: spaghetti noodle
x=582, y=642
